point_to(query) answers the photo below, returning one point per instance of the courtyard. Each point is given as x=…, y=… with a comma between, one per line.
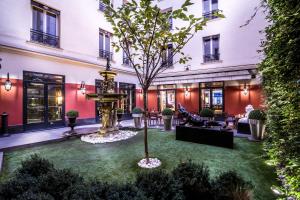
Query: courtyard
x=117, y=162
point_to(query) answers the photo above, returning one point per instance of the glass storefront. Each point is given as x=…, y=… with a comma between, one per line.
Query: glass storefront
x=43, y=100
x=212, y=96
x=166, y=97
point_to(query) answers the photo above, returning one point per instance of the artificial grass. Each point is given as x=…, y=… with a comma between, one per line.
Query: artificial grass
x=117, y=162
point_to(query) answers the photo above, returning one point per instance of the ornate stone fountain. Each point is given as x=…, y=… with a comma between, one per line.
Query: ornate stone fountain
x=108, y=99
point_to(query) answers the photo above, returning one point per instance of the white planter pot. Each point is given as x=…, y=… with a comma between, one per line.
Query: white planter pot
x=167, y=122
x=257, y=128
x=137, y=118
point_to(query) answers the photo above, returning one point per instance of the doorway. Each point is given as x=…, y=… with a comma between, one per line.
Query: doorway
x=43, y=100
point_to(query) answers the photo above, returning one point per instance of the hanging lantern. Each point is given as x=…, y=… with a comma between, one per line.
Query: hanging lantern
x=7, y=84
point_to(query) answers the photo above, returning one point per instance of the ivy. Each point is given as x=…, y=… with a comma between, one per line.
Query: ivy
x=281, y=74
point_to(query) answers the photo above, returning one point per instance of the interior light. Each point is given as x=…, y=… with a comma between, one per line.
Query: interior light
x=187, y=90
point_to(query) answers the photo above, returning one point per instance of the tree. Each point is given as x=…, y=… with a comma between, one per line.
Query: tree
x=144, y=34
x=281, y=74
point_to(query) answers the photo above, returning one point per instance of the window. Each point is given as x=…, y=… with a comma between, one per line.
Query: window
x=211, y=48
x=102, y=6
x=44, y=25
x=126, y=60
x=212, y=96
x=210, y=7
x=104, y=44
x=167, y=57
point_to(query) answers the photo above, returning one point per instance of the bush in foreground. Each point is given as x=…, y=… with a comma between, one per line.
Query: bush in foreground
x=187, y=181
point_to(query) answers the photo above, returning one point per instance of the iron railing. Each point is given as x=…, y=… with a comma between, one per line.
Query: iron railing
x=168, y=62
x=102, y=6
x=211, y=57
x=44, y=38
x=105, y=54
x=211, y=14
x=126, y=61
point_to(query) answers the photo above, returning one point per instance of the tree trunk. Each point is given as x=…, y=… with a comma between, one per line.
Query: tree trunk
x=145, y=99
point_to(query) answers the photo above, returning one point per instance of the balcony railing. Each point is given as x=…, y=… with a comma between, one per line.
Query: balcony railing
x=44, y=38
x=211, y=57
x=105, y=54
x=126, y=61
x=211, y=14
x=167, y=63
x=102, y=6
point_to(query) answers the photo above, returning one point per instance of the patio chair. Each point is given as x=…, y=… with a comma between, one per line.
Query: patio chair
x=153, y=118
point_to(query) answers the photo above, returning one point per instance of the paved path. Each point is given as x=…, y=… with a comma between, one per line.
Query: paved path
x=29, y=138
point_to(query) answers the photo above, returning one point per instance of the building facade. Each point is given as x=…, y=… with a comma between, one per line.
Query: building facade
x=53, y=50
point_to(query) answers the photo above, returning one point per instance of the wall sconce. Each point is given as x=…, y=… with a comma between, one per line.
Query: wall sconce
x=7, y=84
x=245, y=90
x=187, y=91
x=82, y=87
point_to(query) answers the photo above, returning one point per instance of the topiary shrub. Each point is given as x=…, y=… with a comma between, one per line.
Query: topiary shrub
x=120, y=111
x=137, y=110
x=158, y=185
x=35, y=166
x=257, y=114
x=72, y=114
x=230, y=185
x=167, y=112
x=194, y=179
x=206, y=112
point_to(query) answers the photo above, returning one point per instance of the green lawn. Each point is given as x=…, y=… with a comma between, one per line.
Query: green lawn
x=118, y=161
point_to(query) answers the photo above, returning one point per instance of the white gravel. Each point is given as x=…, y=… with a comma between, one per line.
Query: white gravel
x=96, y=138
x=153, y=163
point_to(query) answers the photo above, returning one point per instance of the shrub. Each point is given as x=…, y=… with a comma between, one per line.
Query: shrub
x=72, y=114
x=17, y=186
x=120, y=111
x=206, y=112
x=125, y=192
x=35, y=166
x=159, y=185
x=56, y=182
x=194, y=179
x=31, y=195
x=231, y=186
x=167, y=111
x=137, y=110
x=257, y=114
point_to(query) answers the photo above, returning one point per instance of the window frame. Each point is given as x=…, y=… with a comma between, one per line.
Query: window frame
x=213, y=57
x=209, y=14
x=104, y=52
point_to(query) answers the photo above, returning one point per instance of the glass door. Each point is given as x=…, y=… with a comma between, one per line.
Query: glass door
x=55, y=103
x=43, y=100
x=162, y=99
x=217, y=100
x=171, y=99
x=35, y=103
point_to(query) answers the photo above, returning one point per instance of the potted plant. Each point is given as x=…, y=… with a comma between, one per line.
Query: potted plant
x=207, y=114
x=137, y=114
x=72, y=116
x=167, y=115
x=120, y=113
x=257, y=124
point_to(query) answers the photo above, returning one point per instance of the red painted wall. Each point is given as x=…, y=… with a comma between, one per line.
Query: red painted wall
x=236, y=101
x=74, y=99
x=152, y=100
x=191, y=101
x=11, y=101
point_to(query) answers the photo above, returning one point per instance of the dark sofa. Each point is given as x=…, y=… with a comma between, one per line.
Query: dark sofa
x=211, y=136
